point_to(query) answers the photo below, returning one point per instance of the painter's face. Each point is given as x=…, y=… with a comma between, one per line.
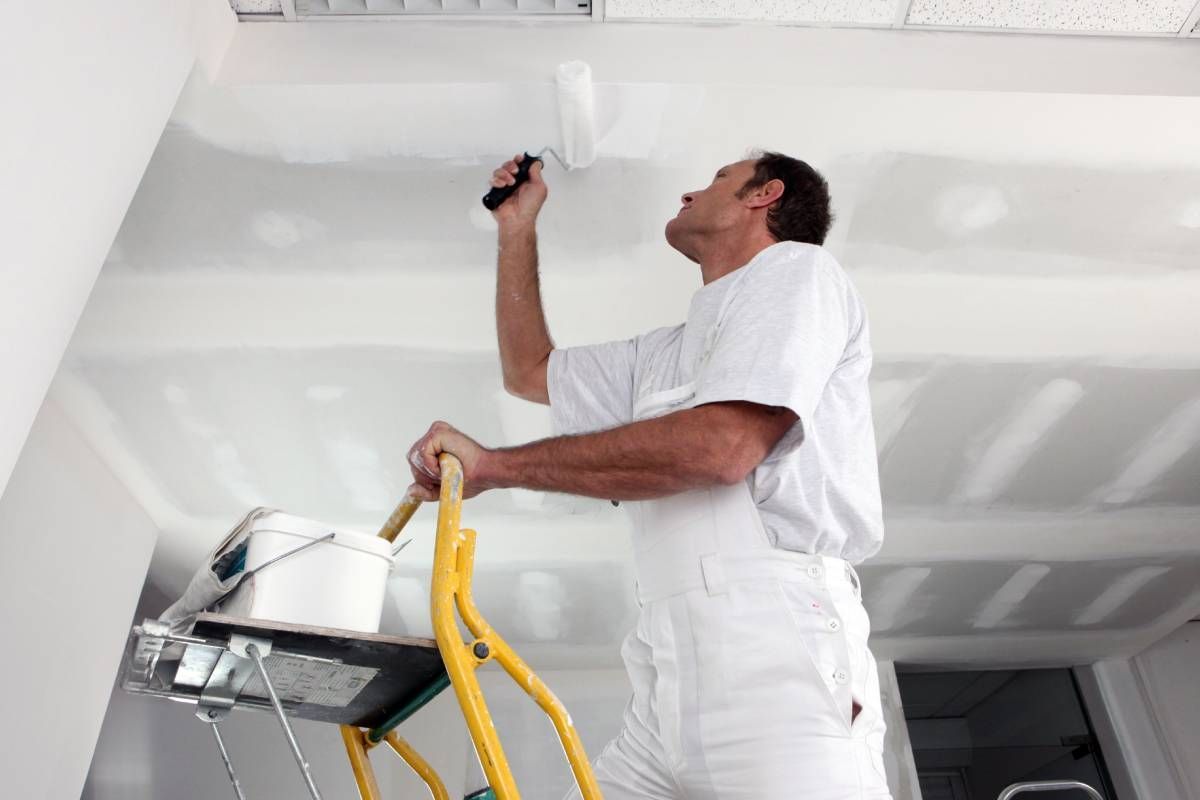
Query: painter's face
x=711, y=210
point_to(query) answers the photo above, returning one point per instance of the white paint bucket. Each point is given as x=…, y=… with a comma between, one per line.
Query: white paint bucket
x=339, y=583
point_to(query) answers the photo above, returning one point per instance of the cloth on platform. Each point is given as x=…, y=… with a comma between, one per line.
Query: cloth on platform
x=219, y=574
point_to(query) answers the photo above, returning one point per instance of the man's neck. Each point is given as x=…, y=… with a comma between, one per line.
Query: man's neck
x=722, y=261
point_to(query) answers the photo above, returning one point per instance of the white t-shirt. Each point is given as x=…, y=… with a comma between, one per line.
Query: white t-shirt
x=794, y=334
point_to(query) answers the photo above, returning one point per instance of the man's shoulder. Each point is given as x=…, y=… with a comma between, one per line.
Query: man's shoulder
x=797, y=264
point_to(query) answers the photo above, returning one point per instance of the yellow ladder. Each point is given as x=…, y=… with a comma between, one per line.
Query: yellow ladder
x=453, y=563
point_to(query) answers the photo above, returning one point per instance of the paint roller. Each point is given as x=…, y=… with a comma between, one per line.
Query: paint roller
x=576, y=115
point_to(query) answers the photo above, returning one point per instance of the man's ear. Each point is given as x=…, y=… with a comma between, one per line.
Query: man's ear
x=766, y=194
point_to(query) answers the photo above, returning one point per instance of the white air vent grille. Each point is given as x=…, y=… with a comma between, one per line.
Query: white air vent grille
x=441, y=7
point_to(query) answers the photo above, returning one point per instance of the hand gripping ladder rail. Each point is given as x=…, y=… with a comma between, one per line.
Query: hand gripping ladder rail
x=367, y=683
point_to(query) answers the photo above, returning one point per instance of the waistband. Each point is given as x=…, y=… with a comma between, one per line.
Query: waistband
x=715, y=572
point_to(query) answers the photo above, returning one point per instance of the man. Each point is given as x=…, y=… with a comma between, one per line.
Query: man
x=744, y=438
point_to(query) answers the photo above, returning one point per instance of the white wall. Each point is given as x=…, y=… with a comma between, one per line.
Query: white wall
x=1146, y=713
x=1171, y=672
x=898, y=760
x=74, y=549
x=88, y=88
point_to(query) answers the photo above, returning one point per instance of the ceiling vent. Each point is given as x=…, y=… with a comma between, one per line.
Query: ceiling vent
x=293, y=9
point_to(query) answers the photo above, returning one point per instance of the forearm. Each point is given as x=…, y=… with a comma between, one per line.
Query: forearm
x=520, y=321
x=643, y=460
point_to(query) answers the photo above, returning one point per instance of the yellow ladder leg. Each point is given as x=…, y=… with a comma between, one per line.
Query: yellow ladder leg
x=419, y=766
x=364, y=775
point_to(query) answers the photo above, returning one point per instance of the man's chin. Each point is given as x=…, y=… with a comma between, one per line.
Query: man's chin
x=677, y=240
x=673, y=231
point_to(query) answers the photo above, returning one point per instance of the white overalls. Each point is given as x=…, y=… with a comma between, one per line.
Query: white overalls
x=746, y=659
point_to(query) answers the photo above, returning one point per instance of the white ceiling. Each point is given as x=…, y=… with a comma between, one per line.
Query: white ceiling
x=1109, y=17
x=270, y=327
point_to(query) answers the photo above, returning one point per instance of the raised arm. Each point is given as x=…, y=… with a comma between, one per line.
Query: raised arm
x=521, y=330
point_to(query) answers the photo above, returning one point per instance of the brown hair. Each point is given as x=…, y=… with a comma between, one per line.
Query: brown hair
x=802, y=214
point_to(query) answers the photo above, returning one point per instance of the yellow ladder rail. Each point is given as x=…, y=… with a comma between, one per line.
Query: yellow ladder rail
x=358, y=743
x=453, y=568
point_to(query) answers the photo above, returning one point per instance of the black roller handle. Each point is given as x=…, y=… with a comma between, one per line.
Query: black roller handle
x=493, y=199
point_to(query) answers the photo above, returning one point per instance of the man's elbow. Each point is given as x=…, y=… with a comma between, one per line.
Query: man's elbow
x=524, y=390
x=515, y=387
x=528, y=384
x=733, y=467
x=531, y=389
x=733, y=462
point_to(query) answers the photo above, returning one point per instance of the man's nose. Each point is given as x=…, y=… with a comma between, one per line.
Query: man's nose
x=687, y=199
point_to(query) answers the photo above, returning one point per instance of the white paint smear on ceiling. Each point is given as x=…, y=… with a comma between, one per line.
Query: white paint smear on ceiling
x=304, y=282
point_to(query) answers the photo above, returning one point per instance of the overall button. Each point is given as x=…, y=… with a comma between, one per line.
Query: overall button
x=833, y=624
x=841, y=676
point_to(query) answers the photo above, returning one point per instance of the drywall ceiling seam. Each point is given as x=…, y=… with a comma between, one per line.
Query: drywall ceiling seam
x=1005, y=600
x=1191, y=26
x=1046, y=536
x=892, y=593
x=1032, y=649
x=1014, y=443
x=902, y=9
x=1116, y=594
x=1154, y=456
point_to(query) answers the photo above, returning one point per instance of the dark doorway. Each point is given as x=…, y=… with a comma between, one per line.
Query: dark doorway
x=974, y=733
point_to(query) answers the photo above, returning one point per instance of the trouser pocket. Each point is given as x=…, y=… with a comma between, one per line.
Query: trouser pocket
x=823, y=634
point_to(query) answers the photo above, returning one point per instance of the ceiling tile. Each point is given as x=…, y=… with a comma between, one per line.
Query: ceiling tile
x=1114, y=16
x=257, y=6
x=861, y=12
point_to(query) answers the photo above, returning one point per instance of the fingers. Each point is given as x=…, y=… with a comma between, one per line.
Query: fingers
x=535, y=172
x=506, y=174
x=423, y=456
x=416, y=461
x=424, y=460
x=429, y=458
x=503, y=177
x=423, y=493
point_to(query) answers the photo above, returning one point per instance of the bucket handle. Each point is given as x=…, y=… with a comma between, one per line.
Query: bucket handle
x=251, y=572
